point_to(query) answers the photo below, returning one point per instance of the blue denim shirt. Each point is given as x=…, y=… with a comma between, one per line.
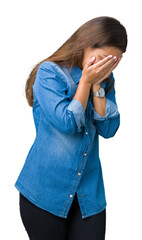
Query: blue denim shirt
x=64, y=157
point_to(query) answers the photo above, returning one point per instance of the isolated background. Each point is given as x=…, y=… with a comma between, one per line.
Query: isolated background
x=30, y=32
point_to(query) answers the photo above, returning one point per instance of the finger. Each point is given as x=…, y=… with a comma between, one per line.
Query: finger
x=108, y=64
x=115, y=64
x=90, y=62
x=118, y=60
x=103, y=61
x=113, y=67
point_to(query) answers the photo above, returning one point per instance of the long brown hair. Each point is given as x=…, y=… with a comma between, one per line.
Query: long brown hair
x=96, y=33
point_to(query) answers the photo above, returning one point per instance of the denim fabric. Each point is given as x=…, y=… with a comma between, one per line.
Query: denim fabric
x=64, y=157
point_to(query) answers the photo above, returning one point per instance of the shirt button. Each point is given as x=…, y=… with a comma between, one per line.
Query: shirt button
x=71, y=195
x=80, y=195
x=86, y=133
x=79, y=173
x=85, y=154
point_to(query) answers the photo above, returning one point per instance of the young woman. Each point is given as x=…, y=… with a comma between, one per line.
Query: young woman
x=62, y=194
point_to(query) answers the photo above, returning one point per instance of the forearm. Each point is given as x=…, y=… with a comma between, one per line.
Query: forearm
x=99, y=102
x=82, y=92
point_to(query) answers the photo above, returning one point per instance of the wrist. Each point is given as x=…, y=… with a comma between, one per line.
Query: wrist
x=95, y=87
x=85, y=83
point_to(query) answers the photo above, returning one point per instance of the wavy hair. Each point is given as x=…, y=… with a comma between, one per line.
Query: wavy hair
x=96, y=33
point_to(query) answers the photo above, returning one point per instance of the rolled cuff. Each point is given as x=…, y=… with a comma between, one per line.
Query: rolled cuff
x=111, y=111
x=76, y=107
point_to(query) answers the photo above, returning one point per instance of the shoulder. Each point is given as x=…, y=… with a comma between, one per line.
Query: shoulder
x=47, y=65
x=52, y=69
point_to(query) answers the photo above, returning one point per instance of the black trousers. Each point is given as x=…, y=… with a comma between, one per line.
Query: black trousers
x=43, y=225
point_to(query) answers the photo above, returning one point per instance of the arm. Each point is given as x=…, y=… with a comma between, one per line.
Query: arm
x=99, y=103
x=50, y=90
x=108, y=124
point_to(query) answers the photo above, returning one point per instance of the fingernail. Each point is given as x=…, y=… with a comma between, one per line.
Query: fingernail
x=92, y=58
x=114, y=57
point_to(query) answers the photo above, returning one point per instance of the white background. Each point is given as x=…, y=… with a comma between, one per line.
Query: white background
x=30, y=32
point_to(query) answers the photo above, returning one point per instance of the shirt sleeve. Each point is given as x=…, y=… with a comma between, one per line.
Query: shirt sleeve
x=50, y=89
x=108, y=125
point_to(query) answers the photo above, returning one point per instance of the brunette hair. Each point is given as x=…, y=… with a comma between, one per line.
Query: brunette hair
x=98, y=32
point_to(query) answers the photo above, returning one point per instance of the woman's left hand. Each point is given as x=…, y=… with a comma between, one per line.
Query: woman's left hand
x=96, y=86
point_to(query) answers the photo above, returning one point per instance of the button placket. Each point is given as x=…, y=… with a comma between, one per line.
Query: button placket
x=79, y=173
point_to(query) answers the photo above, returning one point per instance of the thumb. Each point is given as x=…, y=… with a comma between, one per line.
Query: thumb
x=90, y=62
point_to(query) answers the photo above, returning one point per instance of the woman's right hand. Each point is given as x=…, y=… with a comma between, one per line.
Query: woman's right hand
x=97, y=72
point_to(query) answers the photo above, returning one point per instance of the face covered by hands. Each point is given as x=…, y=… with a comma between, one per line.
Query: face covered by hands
x=99, y=63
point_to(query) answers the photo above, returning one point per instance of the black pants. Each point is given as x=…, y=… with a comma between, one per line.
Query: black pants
x=43, y=225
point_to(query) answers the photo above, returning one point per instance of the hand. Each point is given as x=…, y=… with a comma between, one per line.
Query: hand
x=96, y=86
x=98, y=72
x=108, y=74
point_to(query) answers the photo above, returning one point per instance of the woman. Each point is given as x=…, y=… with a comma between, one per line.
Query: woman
x=72, y=93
